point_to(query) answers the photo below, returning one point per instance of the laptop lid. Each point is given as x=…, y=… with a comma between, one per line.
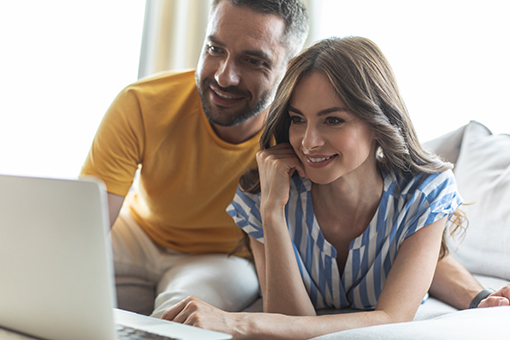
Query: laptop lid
x=56, y=275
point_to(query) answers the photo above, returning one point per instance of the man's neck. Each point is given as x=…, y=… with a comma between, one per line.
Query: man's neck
x=242, y=132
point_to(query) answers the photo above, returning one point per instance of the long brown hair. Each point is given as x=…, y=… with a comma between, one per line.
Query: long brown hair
x=365, y=83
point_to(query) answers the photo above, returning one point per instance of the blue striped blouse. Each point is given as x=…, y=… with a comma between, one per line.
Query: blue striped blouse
x=420, y=201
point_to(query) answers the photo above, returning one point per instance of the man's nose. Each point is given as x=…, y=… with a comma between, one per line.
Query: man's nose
x=228, y=73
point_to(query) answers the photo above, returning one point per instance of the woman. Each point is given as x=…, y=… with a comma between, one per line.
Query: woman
x=346, y=210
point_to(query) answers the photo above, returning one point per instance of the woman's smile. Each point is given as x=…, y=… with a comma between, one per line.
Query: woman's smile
x=319, y=161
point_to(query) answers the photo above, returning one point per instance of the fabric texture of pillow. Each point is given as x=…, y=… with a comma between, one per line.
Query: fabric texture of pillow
x=483, y=178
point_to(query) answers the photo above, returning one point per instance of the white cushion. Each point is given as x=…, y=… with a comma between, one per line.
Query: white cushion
x=447, y=146
x=483, y=177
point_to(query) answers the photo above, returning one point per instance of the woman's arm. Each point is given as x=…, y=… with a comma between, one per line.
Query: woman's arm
x=194, y=312
x=282, y=287
x=281, y=284
x=412, y=272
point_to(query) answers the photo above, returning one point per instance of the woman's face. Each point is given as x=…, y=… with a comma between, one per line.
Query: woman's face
x=330, y=141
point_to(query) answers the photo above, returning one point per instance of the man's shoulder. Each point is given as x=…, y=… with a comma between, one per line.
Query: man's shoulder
x=165, y=83
x=169, y=76
x=160, y=99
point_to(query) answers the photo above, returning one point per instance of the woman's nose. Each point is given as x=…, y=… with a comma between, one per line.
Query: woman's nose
x=312, y=139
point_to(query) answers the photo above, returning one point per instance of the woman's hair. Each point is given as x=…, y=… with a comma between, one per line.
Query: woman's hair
x=364, y=82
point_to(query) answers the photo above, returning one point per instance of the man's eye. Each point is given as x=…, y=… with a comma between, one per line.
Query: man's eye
x=256, y=62
x=213, y=49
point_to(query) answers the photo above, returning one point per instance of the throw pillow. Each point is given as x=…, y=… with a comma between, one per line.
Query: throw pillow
x=448, y=145
x=483, y=177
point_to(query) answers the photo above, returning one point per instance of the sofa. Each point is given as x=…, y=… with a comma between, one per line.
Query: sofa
x=482, y=169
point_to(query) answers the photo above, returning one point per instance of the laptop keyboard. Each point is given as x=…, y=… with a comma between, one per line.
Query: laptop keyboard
x=128, y=333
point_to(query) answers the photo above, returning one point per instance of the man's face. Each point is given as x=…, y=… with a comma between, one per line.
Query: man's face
x=241, y=64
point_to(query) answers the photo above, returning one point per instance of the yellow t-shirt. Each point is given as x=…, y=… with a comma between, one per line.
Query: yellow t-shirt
x=188, y=175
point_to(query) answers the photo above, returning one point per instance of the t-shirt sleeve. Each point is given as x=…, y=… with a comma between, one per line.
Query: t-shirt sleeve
x=435, y=198
x=245, y=210
x=118, y=145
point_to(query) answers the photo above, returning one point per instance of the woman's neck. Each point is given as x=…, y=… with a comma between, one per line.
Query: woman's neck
x=351, y=200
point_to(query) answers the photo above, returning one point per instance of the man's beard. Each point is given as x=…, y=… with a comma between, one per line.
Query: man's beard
x=238, y=117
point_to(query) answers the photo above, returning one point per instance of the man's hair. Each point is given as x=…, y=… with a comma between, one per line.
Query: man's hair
x=293, y=12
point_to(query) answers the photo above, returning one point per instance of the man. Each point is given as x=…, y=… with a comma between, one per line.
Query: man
x=193, y=140
x=193, y=134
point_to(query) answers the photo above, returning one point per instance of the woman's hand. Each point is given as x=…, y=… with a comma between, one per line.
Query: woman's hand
x=194, y=312
x=276, y=167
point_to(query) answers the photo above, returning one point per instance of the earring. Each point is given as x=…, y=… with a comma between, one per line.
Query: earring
x=379, y=154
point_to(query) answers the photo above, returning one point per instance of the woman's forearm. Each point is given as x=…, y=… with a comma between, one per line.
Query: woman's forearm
x=284, y=288
x=192, y=311
x=283, y=327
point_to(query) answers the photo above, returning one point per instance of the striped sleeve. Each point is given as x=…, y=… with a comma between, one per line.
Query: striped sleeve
x=434, y=197
x=245, y=210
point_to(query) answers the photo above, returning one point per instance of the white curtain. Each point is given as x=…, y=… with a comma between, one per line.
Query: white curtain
x=174, y=31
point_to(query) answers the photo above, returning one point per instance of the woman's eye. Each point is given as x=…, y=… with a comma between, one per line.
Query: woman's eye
x=296, y=119
x=334, y=120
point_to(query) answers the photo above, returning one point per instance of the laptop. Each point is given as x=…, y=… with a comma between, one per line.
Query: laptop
x=56, y=270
